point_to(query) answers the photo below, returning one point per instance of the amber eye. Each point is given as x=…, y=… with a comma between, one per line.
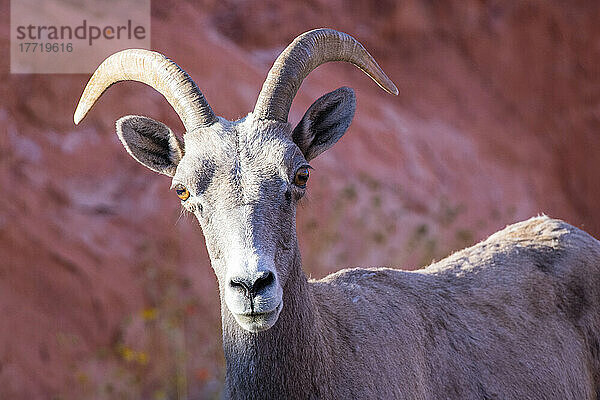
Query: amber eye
x=301, y=177
x=182, y=192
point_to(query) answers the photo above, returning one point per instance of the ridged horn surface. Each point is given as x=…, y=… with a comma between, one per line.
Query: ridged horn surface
x=157, y=71
x=302, y=56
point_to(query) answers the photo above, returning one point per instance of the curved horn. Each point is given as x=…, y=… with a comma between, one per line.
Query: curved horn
x=156, y=70
x=303, y=55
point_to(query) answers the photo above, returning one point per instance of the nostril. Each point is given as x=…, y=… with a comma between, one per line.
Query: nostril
x=239, y=285
x=251, y=287
x=263, y=281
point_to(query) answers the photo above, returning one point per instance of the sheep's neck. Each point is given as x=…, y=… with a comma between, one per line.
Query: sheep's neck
x=286, y=361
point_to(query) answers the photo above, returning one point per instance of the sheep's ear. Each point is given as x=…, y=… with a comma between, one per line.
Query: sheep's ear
x=151, y=143
x=325, y=122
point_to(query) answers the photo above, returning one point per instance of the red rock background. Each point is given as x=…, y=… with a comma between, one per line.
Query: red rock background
x=105, y=292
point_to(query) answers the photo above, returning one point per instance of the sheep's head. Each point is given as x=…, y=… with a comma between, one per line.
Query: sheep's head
x=241, y=179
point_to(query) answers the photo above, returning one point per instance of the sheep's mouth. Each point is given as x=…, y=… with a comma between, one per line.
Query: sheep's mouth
x=262, y=314
x=259, y=321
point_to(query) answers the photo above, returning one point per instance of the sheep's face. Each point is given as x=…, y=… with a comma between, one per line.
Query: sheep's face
x=242, y=180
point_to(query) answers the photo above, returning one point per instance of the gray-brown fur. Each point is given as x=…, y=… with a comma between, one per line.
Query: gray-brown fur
x=514, y=317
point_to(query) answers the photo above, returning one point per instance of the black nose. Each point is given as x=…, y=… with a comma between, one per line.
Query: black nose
x=253, y=285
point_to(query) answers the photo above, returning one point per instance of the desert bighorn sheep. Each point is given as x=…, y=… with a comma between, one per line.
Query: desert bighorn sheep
x=514, y=317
